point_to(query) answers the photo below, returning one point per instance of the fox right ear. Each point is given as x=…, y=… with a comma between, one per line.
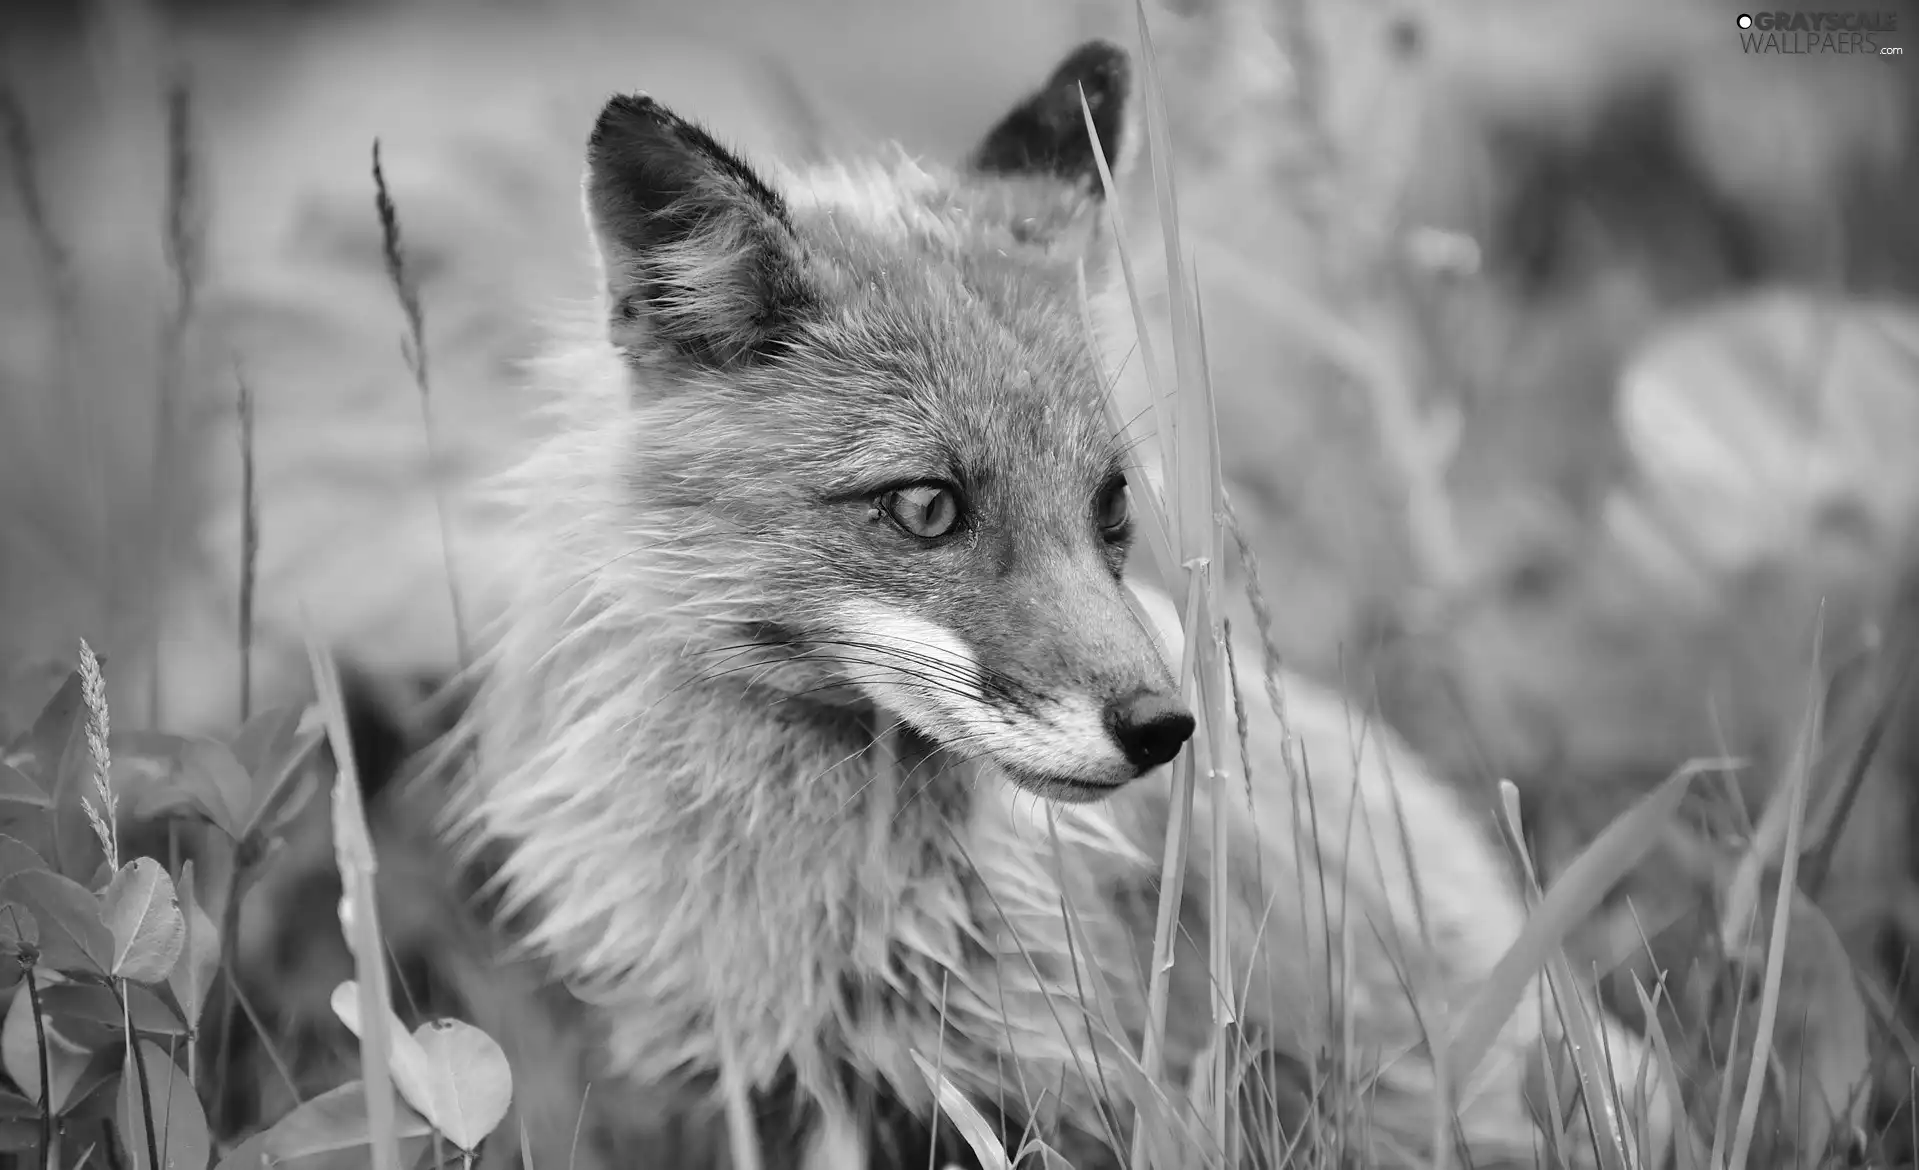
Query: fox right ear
x=699, y=256
x=1045, y=134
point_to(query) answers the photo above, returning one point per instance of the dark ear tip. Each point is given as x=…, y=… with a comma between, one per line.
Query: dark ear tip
x=1100, y=67
x=627, y=116
x=1046, y=133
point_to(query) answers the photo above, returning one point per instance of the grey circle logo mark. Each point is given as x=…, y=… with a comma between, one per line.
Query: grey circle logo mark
x=1745, y=20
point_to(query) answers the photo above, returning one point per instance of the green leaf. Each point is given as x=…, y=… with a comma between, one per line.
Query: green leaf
x=17, y=928
x=193, y=975
x=42, y=751
x=142, y=912
x=92, y=1098
x=285, y=787
x=29, y=821
x=32, y=827
x=17, y=856
x=162, y=775
x=14, y=1107
x=20, y=1054
x=19, y=1137
x=250, y=1154
x=210, y=765
x=72, y=937
x=56, y=753
x=89, y=1015
x=76, y=847
x=266, y=743
x=16, y=788
x=277, y=756
x=334, y=1122
x=103, y=876
x=179, y=1127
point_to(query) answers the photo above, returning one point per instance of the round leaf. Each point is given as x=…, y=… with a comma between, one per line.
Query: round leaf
x=148, y=930
x=471, y=1082
x=20, y=1054
x=452, y=1072
x=179, y=1127
x=1761, y=424
x=72, y=937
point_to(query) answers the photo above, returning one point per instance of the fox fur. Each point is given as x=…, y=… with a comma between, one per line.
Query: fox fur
x=793, y=796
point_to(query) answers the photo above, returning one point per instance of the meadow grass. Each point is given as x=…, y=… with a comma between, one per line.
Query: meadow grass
x=76, y=917
x=1187, y=522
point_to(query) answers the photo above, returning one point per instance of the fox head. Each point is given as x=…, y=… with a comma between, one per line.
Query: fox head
x=871, y=451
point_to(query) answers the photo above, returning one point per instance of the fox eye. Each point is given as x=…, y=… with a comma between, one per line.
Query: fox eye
x=926, y=510
x=1113, y=510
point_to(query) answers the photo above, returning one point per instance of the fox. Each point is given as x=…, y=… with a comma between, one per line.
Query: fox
x=822, y=746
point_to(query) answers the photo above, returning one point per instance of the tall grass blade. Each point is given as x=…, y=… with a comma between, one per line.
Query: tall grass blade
x=1590, y=1059
x=360, y=919
x=1155, y=375
x=1894, y=699
x=1151, y=511
x=1797, y=784
x=1172, y=880
x=1687, y=1154
x=1188, y=506
x=1154, y=1124
x=249, y=542
x=1184, y=330
x=978, y=1134
x=413, y=348
x=1574, y=896
x=185, y=238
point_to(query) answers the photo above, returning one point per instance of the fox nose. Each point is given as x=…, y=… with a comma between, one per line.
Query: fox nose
x=1150, y=727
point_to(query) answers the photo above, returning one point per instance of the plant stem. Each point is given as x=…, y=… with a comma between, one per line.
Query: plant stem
x=229, y=931
x=140, y=1068
x=46, y=1071
x=247, y=852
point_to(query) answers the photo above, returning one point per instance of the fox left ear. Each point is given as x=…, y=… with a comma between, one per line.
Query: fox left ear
x=699, y=256
x=1045, y=135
